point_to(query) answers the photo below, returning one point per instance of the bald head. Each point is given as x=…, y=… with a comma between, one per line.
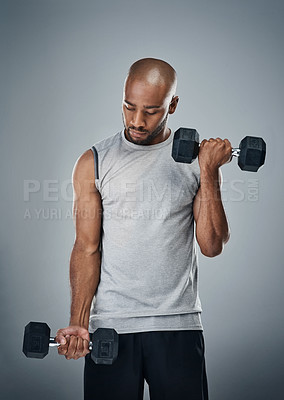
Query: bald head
x=148, y=98
x=154, y=72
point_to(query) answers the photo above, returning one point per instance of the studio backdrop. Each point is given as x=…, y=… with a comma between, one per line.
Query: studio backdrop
x=63, y=64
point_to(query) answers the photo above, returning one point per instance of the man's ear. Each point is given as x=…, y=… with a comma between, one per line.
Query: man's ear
x=173, y=104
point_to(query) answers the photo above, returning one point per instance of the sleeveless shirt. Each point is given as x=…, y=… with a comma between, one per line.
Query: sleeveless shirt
x=149, y=265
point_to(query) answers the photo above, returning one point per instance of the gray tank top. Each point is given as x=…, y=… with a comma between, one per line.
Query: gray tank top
x=149, y=270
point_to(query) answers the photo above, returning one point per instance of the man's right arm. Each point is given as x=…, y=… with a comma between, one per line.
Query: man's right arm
x=85, y=258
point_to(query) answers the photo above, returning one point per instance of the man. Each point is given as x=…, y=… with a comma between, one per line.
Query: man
x=133, y=266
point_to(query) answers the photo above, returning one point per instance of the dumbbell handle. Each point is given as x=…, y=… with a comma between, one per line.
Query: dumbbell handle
x=236, y=151
x=53, y=343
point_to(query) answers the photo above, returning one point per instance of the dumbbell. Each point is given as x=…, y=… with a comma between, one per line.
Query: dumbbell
x=251, y=151
x=37, y=340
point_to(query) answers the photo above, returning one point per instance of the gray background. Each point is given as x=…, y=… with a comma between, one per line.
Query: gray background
x=62, y=69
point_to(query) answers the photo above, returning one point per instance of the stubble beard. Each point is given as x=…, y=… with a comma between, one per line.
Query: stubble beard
x=150, y=137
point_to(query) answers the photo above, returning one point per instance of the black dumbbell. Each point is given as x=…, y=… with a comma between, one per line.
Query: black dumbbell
x=251, y=152
x=37, y=340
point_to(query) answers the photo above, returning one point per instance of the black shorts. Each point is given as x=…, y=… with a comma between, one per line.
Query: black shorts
x=171, y=362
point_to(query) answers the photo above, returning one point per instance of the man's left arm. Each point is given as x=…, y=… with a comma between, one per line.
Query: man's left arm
x=212, y=230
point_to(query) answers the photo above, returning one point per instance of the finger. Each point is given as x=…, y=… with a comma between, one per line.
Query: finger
x=60, y=337
x=228, y=149
x=71, y=348
x=86, y=347
x=62, y=349
x=227, y=142
x=203, y=142
x=80, y=348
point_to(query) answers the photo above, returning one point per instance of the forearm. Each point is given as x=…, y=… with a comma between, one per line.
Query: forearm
x=84, y=279
x=212, y=230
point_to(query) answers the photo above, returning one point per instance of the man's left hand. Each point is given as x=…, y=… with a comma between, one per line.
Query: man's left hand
x=213, y=153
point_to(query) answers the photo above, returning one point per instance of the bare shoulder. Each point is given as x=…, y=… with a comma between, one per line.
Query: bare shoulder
x=84, y=167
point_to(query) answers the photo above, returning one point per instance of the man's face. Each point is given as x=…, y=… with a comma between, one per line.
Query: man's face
x=145, y=111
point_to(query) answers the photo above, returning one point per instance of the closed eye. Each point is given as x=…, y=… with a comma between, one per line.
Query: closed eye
x=133, y=109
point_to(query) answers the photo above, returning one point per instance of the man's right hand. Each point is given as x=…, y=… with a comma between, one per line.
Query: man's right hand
x=74, y=342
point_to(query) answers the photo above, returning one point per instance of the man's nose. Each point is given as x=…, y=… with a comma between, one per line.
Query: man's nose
x=138, y=119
